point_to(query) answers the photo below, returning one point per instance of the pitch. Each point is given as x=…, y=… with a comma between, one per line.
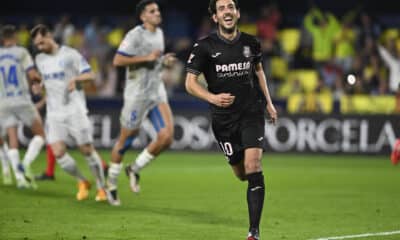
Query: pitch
x=188, y=195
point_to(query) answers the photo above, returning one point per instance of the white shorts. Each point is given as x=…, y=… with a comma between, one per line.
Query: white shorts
x=76, y=127
x=135, y=111
x=12, y=116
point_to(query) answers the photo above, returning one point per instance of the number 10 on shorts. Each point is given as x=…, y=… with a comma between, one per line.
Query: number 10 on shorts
x=226, y=148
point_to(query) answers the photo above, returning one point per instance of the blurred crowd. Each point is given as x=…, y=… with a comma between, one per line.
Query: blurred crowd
x=324, y=53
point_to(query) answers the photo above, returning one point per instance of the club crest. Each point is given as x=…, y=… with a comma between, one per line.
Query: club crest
x=246, y=51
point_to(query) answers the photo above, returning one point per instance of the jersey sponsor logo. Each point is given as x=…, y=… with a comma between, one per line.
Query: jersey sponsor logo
x=215, y=55
x=246, y=51
x=232, y=67
x=54, y=76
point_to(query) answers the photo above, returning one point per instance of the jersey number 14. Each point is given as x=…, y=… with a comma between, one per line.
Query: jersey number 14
x=11, y=78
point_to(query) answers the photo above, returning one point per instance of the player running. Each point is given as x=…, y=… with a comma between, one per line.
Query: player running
x=238, y=95
x=141, y=52
x=16, y=105
x=63, y=70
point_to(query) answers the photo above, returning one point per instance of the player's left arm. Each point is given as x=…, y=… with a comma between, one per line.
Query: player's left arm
x=33, y=76
x=264, y=88
x=29, y=67
x=41, y=103
x=81, y=78
x=84, y=69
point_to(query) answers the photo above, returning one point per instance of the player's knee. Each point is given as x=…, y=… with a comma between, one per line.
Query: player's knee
x=253, y=165
x=165, y=139
x=86, y=152
x=58, y=152
x=86, y=149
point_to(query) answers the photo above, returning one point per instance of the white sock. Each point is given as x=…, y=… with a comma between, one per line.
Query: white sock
x=95, y=166
x=67, y=163
x=34, y=148
x=13, y=155
x=4, y=159
x=113, y=172
x=142, y=160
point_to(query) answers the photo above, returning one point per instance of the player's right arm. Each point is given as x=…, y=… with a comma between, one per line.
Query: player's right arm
x=128, y=51
x=194, y=88
x=121, y=59
x=195, y=65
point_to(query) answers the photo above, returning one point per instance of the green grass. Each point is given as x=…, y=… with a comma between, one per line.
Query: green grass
x=188, y=195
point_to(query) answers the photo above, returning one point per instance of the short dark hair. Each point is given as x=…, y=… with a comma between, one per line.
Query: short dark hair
x=212, y=6
x=141, y=6
x=7, y=31
x=39, y=29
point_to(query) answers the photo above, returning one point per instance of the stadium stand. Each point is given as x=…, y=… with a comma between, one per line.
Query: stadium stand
x=288, y=52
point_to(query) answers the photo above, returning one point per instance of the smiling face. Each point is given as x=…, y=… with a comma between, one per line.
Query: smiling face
x=151, y=15
x=226, y=15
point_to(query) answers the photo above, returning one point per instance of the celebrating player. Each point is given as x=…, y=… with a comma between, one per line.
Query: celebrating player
x=63, y=70
x=16, y=104
x=141, y=52
x=238, y=95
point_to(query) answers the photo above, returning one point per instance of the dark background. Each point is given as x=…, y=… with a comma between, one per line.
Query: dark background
x=195, y=8
x=113, y=12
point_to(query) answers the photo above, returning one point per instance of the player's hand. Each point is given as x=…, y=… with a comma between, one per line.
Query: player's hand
x=37, y=88
x=72, y=85
x=223, y=100
x=169, y=60
x=154, y=55
x=272, y=113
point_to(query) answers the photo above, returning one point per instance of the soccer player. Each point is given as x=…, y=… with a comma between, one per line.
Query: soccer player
x=49, y=173
x=63, y=70
x=238, y=96
x=16, y=105
x=141, y=52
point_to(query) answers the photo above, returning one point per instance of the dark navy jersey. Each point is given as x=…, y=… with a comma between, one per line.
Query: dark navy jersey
x=228, y=67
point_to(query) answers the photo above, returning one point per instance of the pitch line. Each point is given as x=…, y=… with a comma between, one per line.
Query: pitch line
x=359, y=235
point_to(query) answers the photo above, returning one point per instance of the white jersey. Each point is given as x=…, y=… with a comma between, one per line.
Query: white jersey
x=15, y=61
x=142, y=80
x=57, y=70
